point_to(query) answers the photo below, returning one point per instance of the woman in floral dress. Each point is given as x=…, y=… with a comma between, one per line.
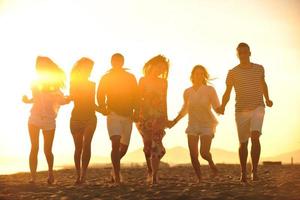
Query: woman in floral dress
x=153, y=118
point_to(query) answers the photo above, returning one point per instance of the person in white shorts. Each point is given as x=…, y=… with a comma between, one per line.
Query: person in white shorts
x=117, y=98
x=248, y=81
x=46, y=100
x=199, y=100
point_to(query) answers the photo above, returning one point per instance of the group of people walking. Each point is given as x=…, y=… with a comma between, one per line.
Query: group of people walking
x=125, y=101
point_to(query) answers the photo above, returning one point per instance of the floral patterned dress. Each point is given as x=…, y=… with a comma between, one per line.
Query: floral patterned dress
x=151, y=123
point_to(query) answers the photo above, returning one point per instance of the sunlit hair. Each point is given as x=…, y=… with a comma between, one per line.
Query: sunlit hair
x=50, y=75
x=156, y=61
x=81, y=70
x=242, y=44
x=206, y=77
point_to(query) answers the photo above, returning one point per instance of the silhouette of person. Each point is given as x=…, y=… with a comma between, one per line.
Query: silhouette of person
x=153, y=117
x=199, y=99
x=117, y=98
x=46, y=100
x=83, y=120
x=248, y=81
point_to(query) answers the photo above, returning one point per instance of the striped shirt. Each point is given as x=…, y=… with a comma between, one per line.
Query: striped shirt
x=247, y=86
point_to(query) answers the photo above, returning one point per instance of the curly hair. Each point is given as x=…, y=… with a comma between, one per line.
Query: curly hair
x=154, y=62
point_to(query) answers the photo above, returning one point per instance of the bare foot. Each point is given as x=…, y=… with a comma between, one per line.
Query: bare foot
x=149, y=177
x=50, y=179
x=112, y=177
x=199, y=180
x=243, y=178
x=154, y=180
x=254, y=177
x=77, y=182
x=214, y=171
x=31, y=181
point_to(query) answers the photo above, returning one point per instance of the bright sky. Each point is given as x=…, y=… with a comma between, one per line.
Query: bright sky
x=187, y=32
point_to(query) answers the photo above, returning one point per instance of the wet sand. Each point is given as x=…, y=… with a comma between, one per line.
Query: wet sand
x=178, y=182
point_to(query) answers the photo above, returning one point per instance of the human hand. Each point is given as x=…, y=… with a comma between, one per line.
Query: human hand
x=220, y=110
x=68, y=99
x=269, y=103
x=25, y=99
x=135, y=117
x=170, y=124
x=103, y=110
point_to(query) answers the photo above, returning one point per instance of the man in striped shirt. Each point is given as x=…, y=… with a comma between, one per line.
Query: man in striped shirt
x=248, y=81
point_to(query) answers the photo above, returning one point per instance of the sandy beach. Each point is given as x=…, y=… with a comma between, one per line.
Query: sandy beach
x=178, y=182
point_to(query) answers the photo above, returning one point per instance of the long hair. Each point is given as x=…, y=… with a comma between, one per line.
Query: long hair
x=154, y=62
x=50, y=75
x=81, y=70
x=206, y=76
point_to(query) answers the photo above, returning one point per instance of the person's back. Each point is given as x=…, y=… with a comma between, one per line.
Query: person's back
x=83, y=95
x=46, y=103
x=120, y=88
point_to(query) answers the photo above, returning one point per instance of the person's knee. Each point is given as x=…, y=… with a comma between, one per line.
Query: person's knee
x=255, y=136
x=205, y=154
x=48, y=152
x=34, y=149
x=123, y=148
x=78, y=151
x=115, y=142
x=243, y=145
x=147, y=149
x=194, y=156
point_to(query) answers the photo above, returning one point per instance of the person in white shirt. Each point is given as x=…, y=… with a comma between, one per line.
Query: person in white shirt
x=199, y=99
x=46, y=99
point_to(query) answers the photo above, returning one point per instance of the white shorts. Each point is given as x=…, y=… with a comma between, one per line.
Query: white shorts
x=201, y=131
x=249, y=121
x=119, y=125
x=43, y=123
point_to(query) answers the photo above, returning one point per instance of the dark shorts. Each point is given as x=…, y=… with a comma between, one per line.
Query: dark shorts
x=80, y=126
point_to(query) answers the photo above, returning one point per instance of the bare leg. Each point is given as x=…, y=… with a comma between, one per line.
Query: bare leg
x=147, y=153
x=193, y=142
x=78, y=140
x=115, y=157
x=255, y=153
x=123, y=150
x=34, y=139
x=155, y=159
x=155, y=166
x=205, y=152
x=48, y=141
x=86, y=154
x=243, y=154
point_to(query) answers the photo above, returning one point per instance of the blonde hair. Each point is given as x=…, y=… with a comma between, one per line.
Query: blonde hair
x=51, y=76
x=206, y=76
x=153, y=62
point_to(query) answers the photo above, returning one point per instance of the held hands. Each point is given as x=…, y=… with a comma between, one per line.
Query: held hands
x=103, y=110
x=269, y=103
x=170, y=124
x=135, y=117
x=220, y=110
x=68, y=99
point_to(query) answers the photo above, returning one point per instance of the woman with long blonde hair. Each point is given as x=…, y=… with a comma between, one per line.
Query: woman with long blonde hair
x=46, y=100
x=199, y=99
